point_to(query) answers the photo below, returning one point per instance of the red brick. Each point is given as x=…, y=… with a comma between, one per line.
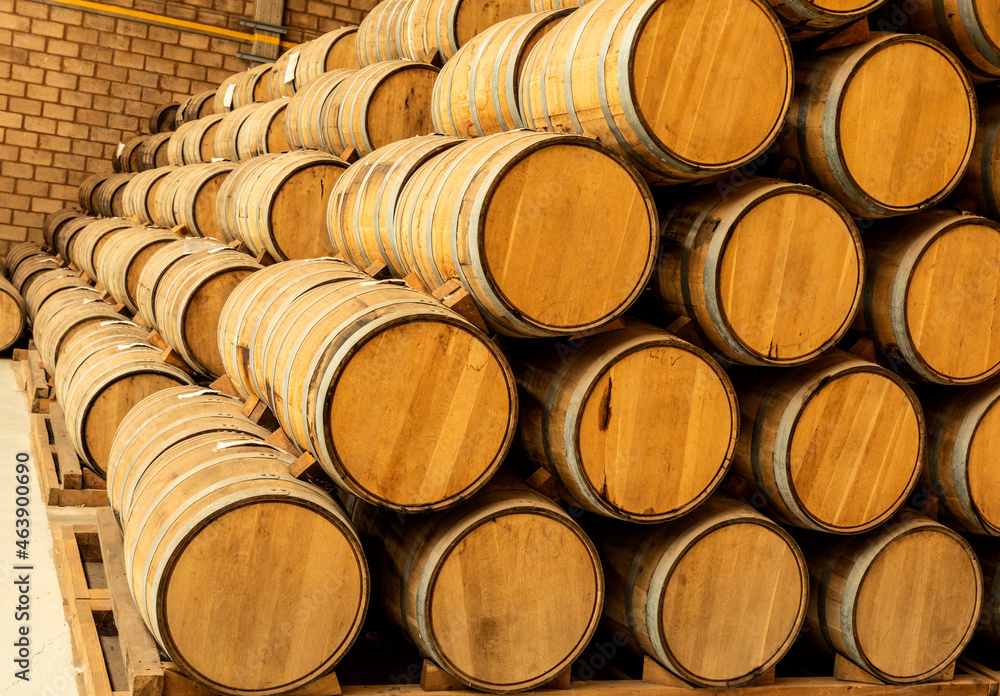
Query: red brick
x=59, y=112
x=81, y=35
x=12, y=88
x=64, y=161
x=115, y=41
x=50, y=174
x=21, y=139
x=28, y=107
x=26, y=187
x=55, y=78
x=43, y=93
x=54, y=143
x=84, y=68
x=94, y=86
x=29, y=42
x=66, y=16
x=164, y=35
x=40, y=27
x=128, y=60
x=99, y=22
x=132, y=29
x=78, y=99
x=37, y=124
x=18, y=170
x=32, y=9
x=147, y=47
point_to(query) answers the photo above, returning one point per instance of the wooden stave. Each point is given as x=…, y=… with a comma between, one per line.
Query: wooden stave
x=56, y=220
x=492, y=87
x=553, y=388
x=300, y=115
x=64, y=235
x=163, y=210
x=405, y=556
x=64, y=314
x=177, y=144
x=849, y=558
x=959, y=27
x=227, y=134
x=618, y=124
x=125, y=158
x=111, y=365
x=804, y=19
x=191, y=188
x=162, y=120
x=264, y=131
x=148, y=286
x=50, y=283
x=640, y=562
x=87, y=189
x=196, y=106
x=199, y=145
x=360, y=229
x=249, y=473
x=114, y=270
x=693, y=235
x=250, y=88
x=164, y=419
x=92, y=238
x=328, y=53
x=108, y=196
x=298, y=397
x=28, y=270
x=177, y=288
x=18, y=254
x=13, y=326
x=771, y=404
x=246, y=314
x=982, y=178
x=139, y=195
x=483, y=153
x=374, y=40
x=219, y=105
x=225, y=202
x=886, y=322
x=89, y=339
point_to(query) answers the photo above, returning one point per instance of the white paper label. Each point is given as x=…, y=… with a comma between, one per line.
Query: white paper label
x=121, y=146
x=227, y=98
x=290, y=70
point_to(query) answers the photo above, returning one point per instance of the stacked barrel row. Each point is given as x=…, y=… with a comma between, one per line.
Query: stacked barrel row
x=555, y=232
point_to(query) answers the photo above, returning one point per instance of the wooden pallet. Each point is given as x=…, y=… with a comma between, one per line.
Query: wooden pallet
x=32, y=380
x=63, y=480
x=119, y=657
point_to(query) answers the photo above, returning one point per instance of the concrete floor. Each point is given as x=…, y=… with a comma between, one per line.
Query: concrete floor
x=52, y=672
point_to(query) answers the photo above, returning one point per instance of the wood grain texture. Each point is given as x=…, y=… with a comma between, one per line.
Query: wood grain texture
x=931, y=296
x=771, y=272
x=152, y=152
x=227, y=135
x=17, y=254
x=214, y=505
x=535, y=579
x=13, y=315
x=982, y=179
x=507, y=242
x=971, y=30
x=805, y=19
x=901, y=602
x=613, y=72
x=86, y=191
x=29, y=270
x=92, y=239
x=48, y=284
x=264, y=131
x=64, y=314
x=303, y=126
x=107, y=198
x=196, y=195
x=53, y=222
x=739, y=618
x=382, y=33
x=119, y=269
x=139, y=195
x=477, y=92
x=870, y=89
x=636, y=423
x=156, y=267
x=441, y=27
x=836, y=445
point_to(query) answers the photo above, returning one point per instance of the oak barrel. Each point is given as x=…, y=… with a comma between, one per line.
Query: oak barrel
x=56, y=220
x=805, y=19
x=62, y=240
x=538, y=582
x=107, y=199
x=87, y=190
x=835, y=445
x=227, y=136
x=18, y=254
x=177, y=144
x=196, y=197
x=436, y=29
x=13, y=314
x=264, y=131
x=92, y=238
x=164, y=118
x=636, y=424
x=153, y=152
x=29, y=270
x=982, y=179
x=63, y=316
x=771, y=272
x=157, y=265
x=119, y=269
x=969, y=28
x=90, y=338
x=531, y=196
x=139, y=196
x=49, y=284
x=196, y=106
x=198, y=144
x=304, y=127
x=717, y=596
x=382, y=33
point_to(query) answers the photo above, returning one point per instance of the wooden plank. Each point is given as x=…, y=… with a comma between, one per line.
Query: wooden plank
x=268, y=12
x=44, y=464
x=19, y=375
x=87, y=497
x=70, y=471
x=142, y=657
x=39, y=381
x=88, y=646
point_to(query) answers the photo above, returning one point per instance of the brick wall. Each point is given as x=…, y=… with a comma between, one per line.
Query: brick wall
x=73, y=84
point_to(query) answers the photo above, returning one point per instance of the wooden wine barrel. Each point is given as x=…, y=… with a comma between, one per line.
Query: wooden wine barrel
x=717, y=596
x=333, y=50
x=969, y=28
x=92, y=238
x=56, y=220
x=163, y=119
x=64, y=235
x=159, y=422
x=513, y=263
x=293, y=553
x=140, y=192
x=13, y=315
x=264, y=131
x=196, y=196
x=843, y=132
x=222, y=102
x=153, y=152
x=988, y=553
x=805, y=19
x=933, y=320
x=635, y=424
x=454, y=404
x=188, y=302
x=199, y=143
x=381, y=36
x=18, y=254
x=381, y=104
x=257, y=301
x=477, y=92
x=88, y=339
x=157, y=265
x=120, y=269
x=982, y=179
x=441, y=27
x=901, y=601
x=176, y=145
x=63, y=316
x=48, y=284
x=737, y=91
x=196, y=106
x=126, y=155
x=29, y=270
x=304, y=124
x=282, y=74
x=818, y=465
x=108, y=196
x=771, y=273
x=962, y=425
x=282, y=206
x=87, y=190
x=254, y=87
x=225, y=202
x=105, y=388
x=538, y=579
x=228, y=133
x=362, y=209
